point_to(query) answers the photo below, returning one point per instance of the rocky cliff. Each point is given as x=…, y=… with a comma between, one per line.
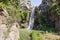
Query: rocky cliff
x=9, y=30
x=50, y=14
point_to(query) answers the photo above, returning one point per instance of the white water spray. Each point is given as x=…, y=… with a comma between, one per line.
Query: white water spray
x=31, y=22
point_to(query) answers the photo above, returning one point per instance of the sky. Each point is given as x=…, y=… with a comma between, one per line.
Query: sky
x=36, y=2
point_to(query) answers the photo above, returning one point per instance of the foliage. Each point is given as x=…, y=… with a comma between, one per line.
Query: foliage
x=13, y=8
x=48, y=19
x=36, y=35
x=23, y=16
x=30, y=35
x=24, y=35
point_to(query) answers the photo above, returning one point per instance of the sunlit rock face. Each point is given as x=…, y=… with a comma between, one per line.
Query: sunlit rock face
x=14, y=32
x=3, y=29
x=26, y=4
x=8, y=30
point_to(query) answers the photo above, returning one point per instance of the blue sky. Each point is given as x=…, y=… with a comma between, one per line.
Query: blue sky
x=36, y=2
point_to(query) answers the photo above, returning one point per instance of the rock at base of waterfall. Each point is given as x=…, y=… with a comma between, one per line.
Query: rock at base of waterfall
x=14, y=32
x=9, y=30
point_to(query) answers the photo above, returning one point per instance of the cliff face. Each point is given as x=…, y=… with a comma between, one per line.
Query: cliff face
x=42, y=13
x=9, y=27
x=26, y=8
x=44, y=6
x=26, y=4
x=8, y=30
x=50, y=14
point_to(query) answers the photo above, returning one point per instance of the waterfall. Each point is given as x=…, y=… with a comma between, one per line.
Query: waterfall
x=31, y=22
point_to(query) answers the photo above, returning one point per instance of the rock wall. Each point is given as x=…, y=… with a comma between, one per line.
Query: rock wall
x=48, y=8
x=8, y=30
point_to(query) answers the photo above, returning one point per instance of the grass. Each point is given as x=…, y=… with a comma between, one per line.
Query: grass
x=37, y=35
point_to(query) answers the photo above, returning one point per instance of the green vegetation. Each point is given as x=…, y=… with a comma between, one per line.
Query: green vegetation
x=47, y=23
x=15, y=11
x=36, y=35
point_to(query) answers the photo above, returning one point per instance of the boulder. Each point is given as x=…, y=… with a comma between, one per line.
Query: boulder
x=9, y=29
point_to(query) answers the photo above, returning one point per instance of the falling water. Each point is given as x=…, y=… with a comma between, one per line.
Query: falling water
x=31, y=22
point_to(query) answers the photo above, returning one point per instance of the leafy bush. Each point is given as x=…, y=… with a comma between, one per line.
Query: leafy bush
x=36, y=35
x=30, y=35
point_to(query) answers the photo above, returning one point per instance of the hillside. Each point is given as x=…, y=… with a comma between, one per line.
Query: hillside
x=43, y=21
